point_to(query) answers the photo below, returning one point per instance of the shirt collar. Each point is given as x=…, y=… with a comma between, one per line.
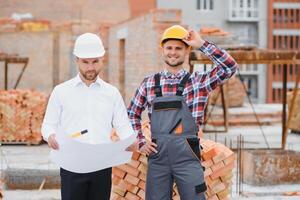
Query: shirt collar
x=178, y=75
x=78, y=81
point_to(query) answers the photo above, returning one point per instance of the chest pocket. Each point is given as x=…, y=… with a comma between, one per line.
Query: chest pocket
x=167, y=105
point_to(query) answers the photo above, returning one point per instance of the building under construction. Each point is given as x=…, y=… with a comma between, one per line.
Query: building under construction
x=251, y=129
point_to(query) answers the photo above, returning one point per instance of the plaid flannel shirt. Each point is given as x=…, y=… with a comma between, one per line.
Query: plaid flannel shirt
x=196, y=90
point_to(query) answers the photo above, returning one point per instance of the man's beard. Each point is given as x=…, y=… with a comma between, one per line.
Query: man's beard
x=90, y=75
x=175, y=64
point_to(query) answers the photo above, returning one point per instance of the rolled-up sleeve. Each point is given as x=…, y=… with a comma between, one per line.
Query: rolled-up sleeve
x=225, y=67
x=135, y=109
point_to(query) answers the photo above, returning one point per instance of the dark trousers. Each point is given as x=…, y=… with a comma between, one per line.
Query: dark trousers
x=87, y=186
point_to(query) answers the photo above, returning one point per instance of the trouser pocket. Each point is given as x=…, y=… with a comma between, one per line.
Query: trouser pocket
x=194, y=147
x=154, y=155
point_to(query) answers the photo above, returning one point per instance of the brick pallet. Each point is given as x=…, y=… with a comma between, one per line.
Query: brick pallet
x=21, y=115
x=129, y=179
x=294, y=124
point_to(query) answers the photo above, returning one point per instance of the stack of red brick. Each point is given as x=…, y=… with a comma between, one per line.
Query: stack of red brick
x=21, y=115
x=212, y=31
x=234, y=91
x=9, y=24
x=129, y=179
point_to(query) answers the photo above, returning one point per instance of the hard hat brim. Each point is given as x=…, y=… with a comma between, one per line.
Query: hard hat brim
x=89, y=55
x=167, y=39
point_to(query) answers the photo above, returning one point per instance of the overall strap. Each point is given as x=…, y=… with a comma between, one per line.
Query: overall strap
x=182, y=84
x=157, y=87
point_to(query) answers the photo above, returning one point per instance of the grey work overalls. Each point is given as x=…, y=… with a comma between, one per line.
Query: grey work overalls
x=174, y=130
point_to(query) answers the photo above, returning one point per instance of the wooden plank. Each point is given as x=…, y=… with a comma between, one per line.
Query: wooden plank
x=253, y=57
x=13, y=59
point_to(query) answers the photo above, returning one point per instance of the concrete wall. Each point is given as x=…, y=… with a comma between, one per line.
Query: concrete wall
x=142, y=51
x=38, y=46
x=271, y=167
x=79, y=16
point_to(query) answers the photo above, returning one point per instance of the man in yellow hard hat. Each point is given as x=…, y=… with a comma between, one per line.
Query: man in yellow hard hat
x=176, y=100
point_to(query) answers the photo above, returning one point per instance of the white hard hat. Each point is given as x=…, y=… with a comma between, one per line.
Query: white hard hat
x=88, y=45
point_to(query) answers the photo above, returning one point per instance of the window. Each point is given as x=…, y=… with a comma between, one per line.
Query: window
x=243, y=10
x=205, y=4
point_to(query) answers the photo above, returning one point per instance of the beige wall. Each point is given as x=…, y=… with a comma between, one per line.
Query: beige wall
x=38, y=46
x=142, y=51
x=69, y=10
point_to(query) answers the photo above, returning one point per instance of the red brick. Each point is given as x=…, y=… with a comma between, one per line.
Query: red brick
x=221, y=172
x=119, y=190
x=143, y=176
x=217, y=166
x=213, y=183
x=223, y=194
x=134, y=163
x=116, y=180
x=143, y=168
x=130, y=196
x=141, y=194
x=128, y=186
x=129, y=169
x=207, y=172
x=131, y=179
x=227, y=177
x=207, y=163
x=213, y=198
x=229, y=159
x=116, y=197
x=219, y=187
x=210, y=154
x=221, y=156
x=142, y=185
x=135, y=155
x=118, y=172
x=209, y=192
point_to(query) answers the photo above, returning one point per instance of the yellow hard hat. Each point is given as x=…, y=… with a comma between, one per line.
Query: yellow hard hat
x=174, y=32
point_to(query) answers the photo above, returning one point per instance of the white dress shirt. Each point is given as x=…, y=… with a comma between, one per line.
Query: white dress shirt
x=73, y=107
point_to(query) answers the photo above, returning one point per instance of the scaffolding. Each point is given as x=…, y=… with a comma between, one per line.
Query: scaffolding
x=257, y=56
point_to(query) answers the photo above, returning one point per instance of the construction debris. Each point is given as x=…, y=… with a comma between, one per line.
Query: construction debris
x=32, y=25
x=129, y=179
x=221, y=38
x=212, y=31
x=21, y=115
x=294, y=123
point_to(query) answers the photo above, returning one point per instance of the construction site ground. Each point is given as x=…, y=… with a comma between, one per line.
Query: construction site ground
x=23, y=158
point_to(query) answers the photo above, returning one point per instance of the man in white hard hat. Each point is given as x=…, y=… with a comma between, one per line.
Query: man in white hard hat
x=89, y=107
